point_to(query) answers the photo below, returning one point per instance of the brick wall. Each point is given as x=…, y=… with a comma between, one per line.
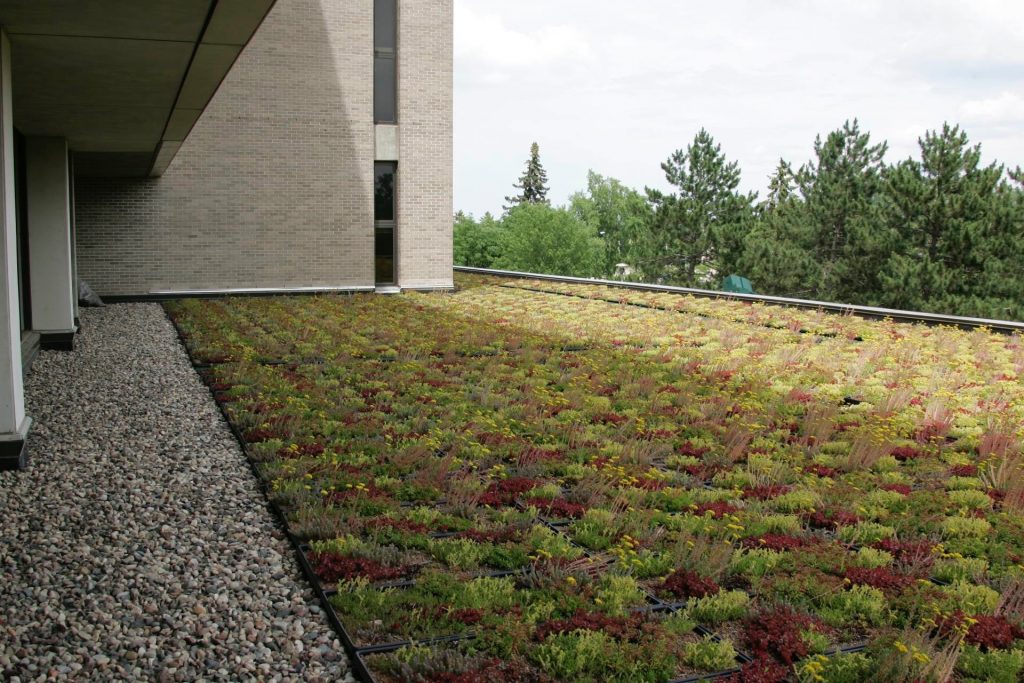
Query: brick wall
x=425, y=143
x=274, y=185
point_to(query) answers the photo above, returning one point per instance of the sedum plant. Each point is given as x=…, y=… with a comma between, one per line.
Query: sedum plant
x=709, y=654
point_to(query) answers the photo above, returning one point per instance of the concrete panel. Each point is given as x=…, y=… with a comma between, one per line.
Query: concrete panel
x=387, y=142
x=96, y=128
x=49, y=227
x=62, y=71
x=106, y=74
x=181, y=123
x=164, y=156
x=208, y=68
x=112, y=164
x=234, y=21
x=180, y=20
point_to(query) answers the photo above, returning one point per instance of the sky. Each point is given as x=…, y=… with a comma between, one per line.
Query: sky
x=618, y=86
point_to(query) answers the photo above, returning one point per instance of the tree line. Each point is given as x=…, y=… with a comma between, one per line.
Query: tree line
x=941, y=232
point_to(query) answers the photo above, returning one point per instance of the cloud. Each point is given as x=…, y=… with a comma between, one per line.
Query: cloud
x=487, y=41
x=617, y=91
x=1005, y=108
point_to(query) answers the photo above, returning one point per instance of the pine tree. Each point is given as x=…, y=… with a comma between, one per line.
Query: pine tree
x=841, y=188
x=532, y=184
x=778, y=253
x=698, y=231
x=1017, y=176
x=944, y=210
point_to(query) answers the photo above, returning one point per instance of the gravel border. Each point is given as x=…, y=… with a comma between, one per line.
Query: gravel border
x=137, y=545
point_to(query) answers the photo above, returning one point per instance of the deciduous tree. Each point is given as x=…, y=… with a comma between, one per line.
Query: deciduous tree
x=620, y=215
x=540, y=239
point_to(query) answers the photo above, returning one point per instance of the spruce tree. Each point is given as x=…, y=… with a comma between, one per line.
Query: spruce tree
x=532, y=184
x=698, y=230
x=781, y=186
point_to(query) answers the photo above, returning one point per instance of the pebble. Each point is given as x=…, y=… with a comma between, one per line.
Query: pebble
x=137, y=546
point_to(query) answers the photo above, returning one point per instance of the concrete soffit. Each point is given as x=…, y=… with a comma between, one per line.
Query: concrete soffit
x=230, y=25
x=124, y=81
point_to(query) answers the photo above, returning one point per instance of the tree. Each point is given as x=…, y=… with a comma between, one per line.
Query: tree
x=698, y=230
x=777, y=251
x=1017, y=176
x=620, y=215
x=476, y=244
x=781, y=186
x=841, y=189
x=954, y=248
x=540, y=239
x=532, y=184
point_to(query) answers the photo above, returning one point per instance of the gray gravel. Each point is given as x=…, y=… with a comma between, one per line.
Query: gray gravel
x=137, y=546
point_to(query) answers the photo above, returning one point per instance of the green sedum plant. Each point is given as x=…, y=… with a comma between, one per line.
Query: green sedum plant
x=615, y=594
x=860, y=604
x=969, y=598
x=708, y=654
x=992, y=666
x=865, y=532
x=960, y=569
x=755, y=562
x=721, y=607
x=965, y=527
x=842, y=668
x=872, y=558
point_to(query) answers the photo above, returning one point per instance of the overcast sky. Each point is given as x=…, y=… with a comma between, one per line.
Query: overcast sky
x=617, y=86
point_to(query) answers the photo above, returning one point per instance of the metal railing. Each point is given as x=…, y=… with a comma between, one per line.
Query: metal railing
x=873, y=312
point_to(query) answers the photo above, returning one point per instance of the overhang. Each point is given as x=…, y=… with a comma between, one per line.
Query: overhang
x=123, y=80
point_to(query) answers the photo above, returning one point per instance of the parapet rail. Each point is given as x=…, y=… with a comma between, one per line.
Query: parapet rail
x=872, y=312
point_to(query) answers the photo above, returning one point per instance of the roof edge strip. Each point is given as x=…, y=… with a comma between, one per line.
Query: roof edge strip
x=872, y=312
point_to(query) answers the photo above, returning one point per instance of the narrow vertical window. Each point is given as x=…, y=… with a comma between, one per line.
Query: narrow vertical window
x=384, y=222
x=385, y=81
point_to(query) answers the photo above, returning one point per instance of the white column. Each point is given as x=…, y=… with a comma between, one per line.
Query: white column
x=49, y=241
x=13, y=422
x=74, y=244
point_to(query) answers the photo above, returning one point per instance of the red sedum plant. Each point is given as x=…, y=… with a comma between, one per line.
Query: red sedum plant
x=683, y=583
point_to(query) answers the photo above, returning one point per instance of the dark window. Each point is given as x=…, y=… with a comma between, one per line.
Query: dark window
x=385, y=43
x=385, y=13
x=384, y=87
x=384, y=256
x=384, y=222
x=384, y=192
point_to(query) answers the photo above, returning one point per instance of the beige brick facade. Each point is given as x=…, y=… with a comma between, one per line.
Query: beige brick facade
x=273, y=188
x=425, y=143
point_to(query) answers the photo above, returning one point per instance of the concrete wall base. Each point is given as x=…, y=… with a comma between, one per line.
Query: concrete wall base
x=57, y=340
x=14, y=448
